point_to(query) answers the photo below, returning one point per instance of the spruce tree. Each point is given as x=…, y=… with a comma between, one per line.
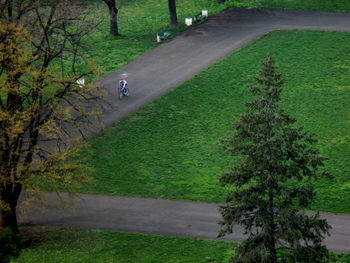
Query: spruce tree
x=273, y=178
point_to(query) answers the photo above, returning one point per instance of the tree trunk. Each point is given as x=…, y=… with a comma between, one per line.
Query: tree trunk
x=172, y=12
x=9, y=219
x=114, y=31
x=10, y=196
x=271, y=226
x=113, y=12
x=273, y=252
x=9, y=11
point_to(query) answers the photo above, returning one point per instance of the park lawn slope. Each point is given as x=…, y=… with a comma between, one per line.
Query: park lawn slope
x=171, y=147
x=67, y=245
x=139, y=21
x=309, y=5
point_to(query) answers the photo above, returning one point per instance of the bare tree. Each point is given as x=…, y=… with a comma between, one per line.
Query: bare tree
x=39, y=101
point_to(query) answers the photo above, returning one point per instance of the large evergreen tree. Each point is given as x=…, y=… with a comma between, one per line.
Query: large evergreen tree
x=273, y=177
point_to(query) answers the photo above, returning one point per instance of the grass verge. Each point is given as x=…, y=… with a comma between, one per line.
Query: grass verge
x=171, y=147
x=68, y=245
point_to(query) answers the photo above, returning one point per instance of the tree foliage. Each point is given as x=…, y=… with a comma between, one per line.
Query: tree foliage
x=274, y=176
x=42, y=109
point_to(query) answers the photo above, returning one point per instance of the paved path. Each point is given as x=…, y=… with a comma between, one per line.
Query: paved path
x=156, y=216
x=158, y=71
x=173, y=62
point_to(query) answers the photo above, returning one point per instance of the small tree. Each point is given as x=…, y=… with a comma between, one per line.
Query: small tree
x=273, y=177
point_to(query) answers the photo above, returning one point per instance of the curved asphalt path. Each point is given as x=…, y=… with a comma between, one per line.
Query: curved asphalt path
x=173, y=62
x=154, y=216
x=151, y=75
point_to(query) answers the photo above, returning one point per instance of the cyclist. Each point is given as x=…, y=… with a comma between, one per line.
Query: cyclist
x=123, y=88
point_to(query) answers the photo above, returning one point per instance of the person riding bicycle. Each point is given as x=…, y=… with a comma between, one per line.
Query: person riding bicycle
x=123, y=88
x=122, y=83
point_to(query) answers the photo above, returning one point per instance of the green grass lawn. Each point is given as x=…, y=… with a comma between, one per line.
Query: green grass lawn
x=171, y=147
x=139, y=21
x=66, y=245
x=71, y=245
x=313, y=5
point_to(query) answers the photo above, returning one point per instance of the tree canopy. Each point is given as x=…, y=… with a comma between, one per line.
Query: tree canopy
x=42, y=108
